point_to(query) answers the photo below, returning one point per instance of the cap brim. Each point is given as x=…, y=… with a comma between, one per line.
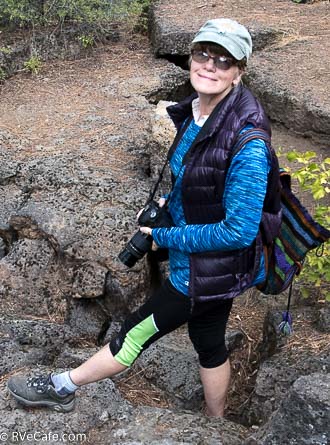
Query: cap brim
x=222, y=40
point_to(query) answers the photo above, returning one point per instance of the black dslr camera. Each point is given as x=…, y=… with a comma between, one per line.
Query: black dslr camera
x=140, y=243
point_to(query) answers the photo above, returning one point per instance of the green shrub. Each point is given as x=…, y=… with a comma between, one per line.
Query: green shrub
x=3, y=75
x=86, y=41
x=33, y=64
x=91, y=14
x=20, y=12
x=5, y=50
x=314, y=177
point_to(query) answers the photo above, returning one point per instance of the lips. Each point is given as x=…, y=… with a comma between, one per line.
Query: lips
x=206, y=77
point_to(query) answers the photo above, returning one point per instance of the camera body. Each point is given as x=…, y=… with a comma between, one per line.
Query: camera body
x=151, y=216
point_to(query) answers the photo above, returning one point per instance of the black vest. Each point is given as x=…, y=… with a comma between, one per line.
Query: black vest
x=219, y=274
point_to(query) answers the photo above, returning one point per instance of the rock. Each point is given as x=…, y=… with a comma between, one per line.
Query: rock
x=172, y=364
x=299, y=109
x=175, y=85
x=101, y=413
x=163, y=132
x=31, y=283
x=303, y=418
x=152, y=426
x=14, y=57
x=113, y=329
x=30, y=342
x=88, y=281
x=2, y=248
x=275, y=378
x=15, y=356
x=69, y=358
x=323, y=319
x=273, y=339
x=163, y=129
x=234, y=340
x=167, y=38
x=68, y=208
x=87, y=319
x=92, y=403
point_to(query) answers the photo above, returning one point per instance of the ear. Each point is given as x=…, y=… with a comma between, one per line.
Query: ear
x=238, y=78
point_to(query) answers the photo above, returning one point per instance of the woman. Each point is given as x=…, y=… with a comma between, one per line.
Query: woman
x=217, y=202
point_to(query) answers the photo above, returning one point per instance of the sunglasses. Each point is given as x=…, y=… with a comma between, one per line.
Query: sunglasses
x=221, y=62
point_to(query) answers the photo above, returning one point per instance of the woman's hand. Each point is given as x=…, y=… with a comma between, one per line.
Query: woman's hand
x=148, y=231
x=161, y=203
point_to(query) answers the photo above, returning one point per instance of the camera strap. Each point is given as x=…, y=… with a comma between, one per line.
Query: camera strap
x=168, y=157
x=204, y=131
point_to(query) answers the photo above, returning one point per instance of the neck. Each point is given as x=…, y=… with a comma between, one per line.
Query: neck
x=207, y=102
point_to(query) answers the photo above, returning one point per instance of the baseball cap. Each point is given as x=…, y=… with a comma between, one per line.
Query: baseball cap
x=233, y=36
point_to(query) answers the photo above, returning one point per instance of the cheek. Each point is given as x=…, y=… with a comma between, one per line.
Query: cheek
x=193, y=75
x=236, y=74
x=193, y=67
x=227, y=77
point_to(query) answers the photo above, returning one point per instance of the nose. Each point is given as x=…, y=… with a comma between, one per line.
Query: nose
x=210, y=65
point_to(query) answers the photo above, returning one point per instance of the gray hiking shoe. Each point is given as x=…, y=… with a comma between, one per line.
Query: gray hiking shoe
x=40, y=391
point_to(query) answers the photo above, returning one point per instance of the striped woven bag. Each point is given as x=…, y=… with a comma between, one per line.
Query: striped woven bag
x=299, y=233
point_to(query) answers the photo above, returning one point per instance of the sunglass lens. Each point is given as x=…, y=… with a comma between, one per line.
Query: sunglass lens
x=200, y=56
x=223, y=63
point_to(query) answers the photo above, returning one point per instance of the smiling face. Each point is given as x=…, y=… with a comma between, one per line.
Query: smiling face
x=211, y=83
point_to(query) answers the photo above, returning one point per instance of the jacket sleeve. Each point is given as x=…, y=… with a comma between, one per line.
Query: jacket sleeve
x=244, y=194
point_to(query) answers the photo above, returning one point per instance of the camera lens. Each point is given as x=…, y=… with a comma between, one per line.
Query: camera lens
x=135, y=249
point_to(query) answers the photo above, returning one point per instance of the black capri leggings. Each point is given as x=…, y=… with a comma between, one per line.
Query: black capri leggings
x=165, y=311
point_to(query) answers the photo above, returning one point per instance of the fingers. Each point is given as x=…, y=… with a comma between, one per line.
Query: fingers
x=154, y=246
x=138, y=215
x=161, y=202
x=146, y=230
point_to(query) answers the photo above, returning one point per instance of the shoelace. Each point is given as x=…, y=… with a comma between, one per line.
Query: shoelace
x=40, y=383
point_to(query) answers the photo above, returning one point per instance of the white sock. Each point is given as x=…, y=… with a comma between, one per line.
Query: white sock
x=63, y=383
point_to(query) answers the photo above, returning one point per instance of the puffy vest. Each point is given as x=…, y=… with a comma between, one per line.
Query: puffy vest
x=222, y=274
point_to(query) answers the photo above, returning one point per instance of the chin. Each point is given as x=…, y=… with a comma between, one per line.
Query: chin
x=210, y=91
x=207, y=87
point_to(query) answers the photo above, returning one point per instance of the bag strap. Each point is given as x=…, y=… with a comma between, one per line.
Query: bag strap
x=247, y=136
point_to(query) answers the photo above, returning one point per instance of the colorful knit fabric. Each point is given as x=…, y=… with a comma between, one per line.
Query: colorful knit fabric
x=243, y=204
x=299, y=234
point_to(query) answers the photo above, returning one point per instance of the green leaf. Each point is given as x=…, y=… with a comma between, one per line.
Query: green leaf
x=291, y=156
x=313, y=167
x=305, y=292
x=319, y=194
